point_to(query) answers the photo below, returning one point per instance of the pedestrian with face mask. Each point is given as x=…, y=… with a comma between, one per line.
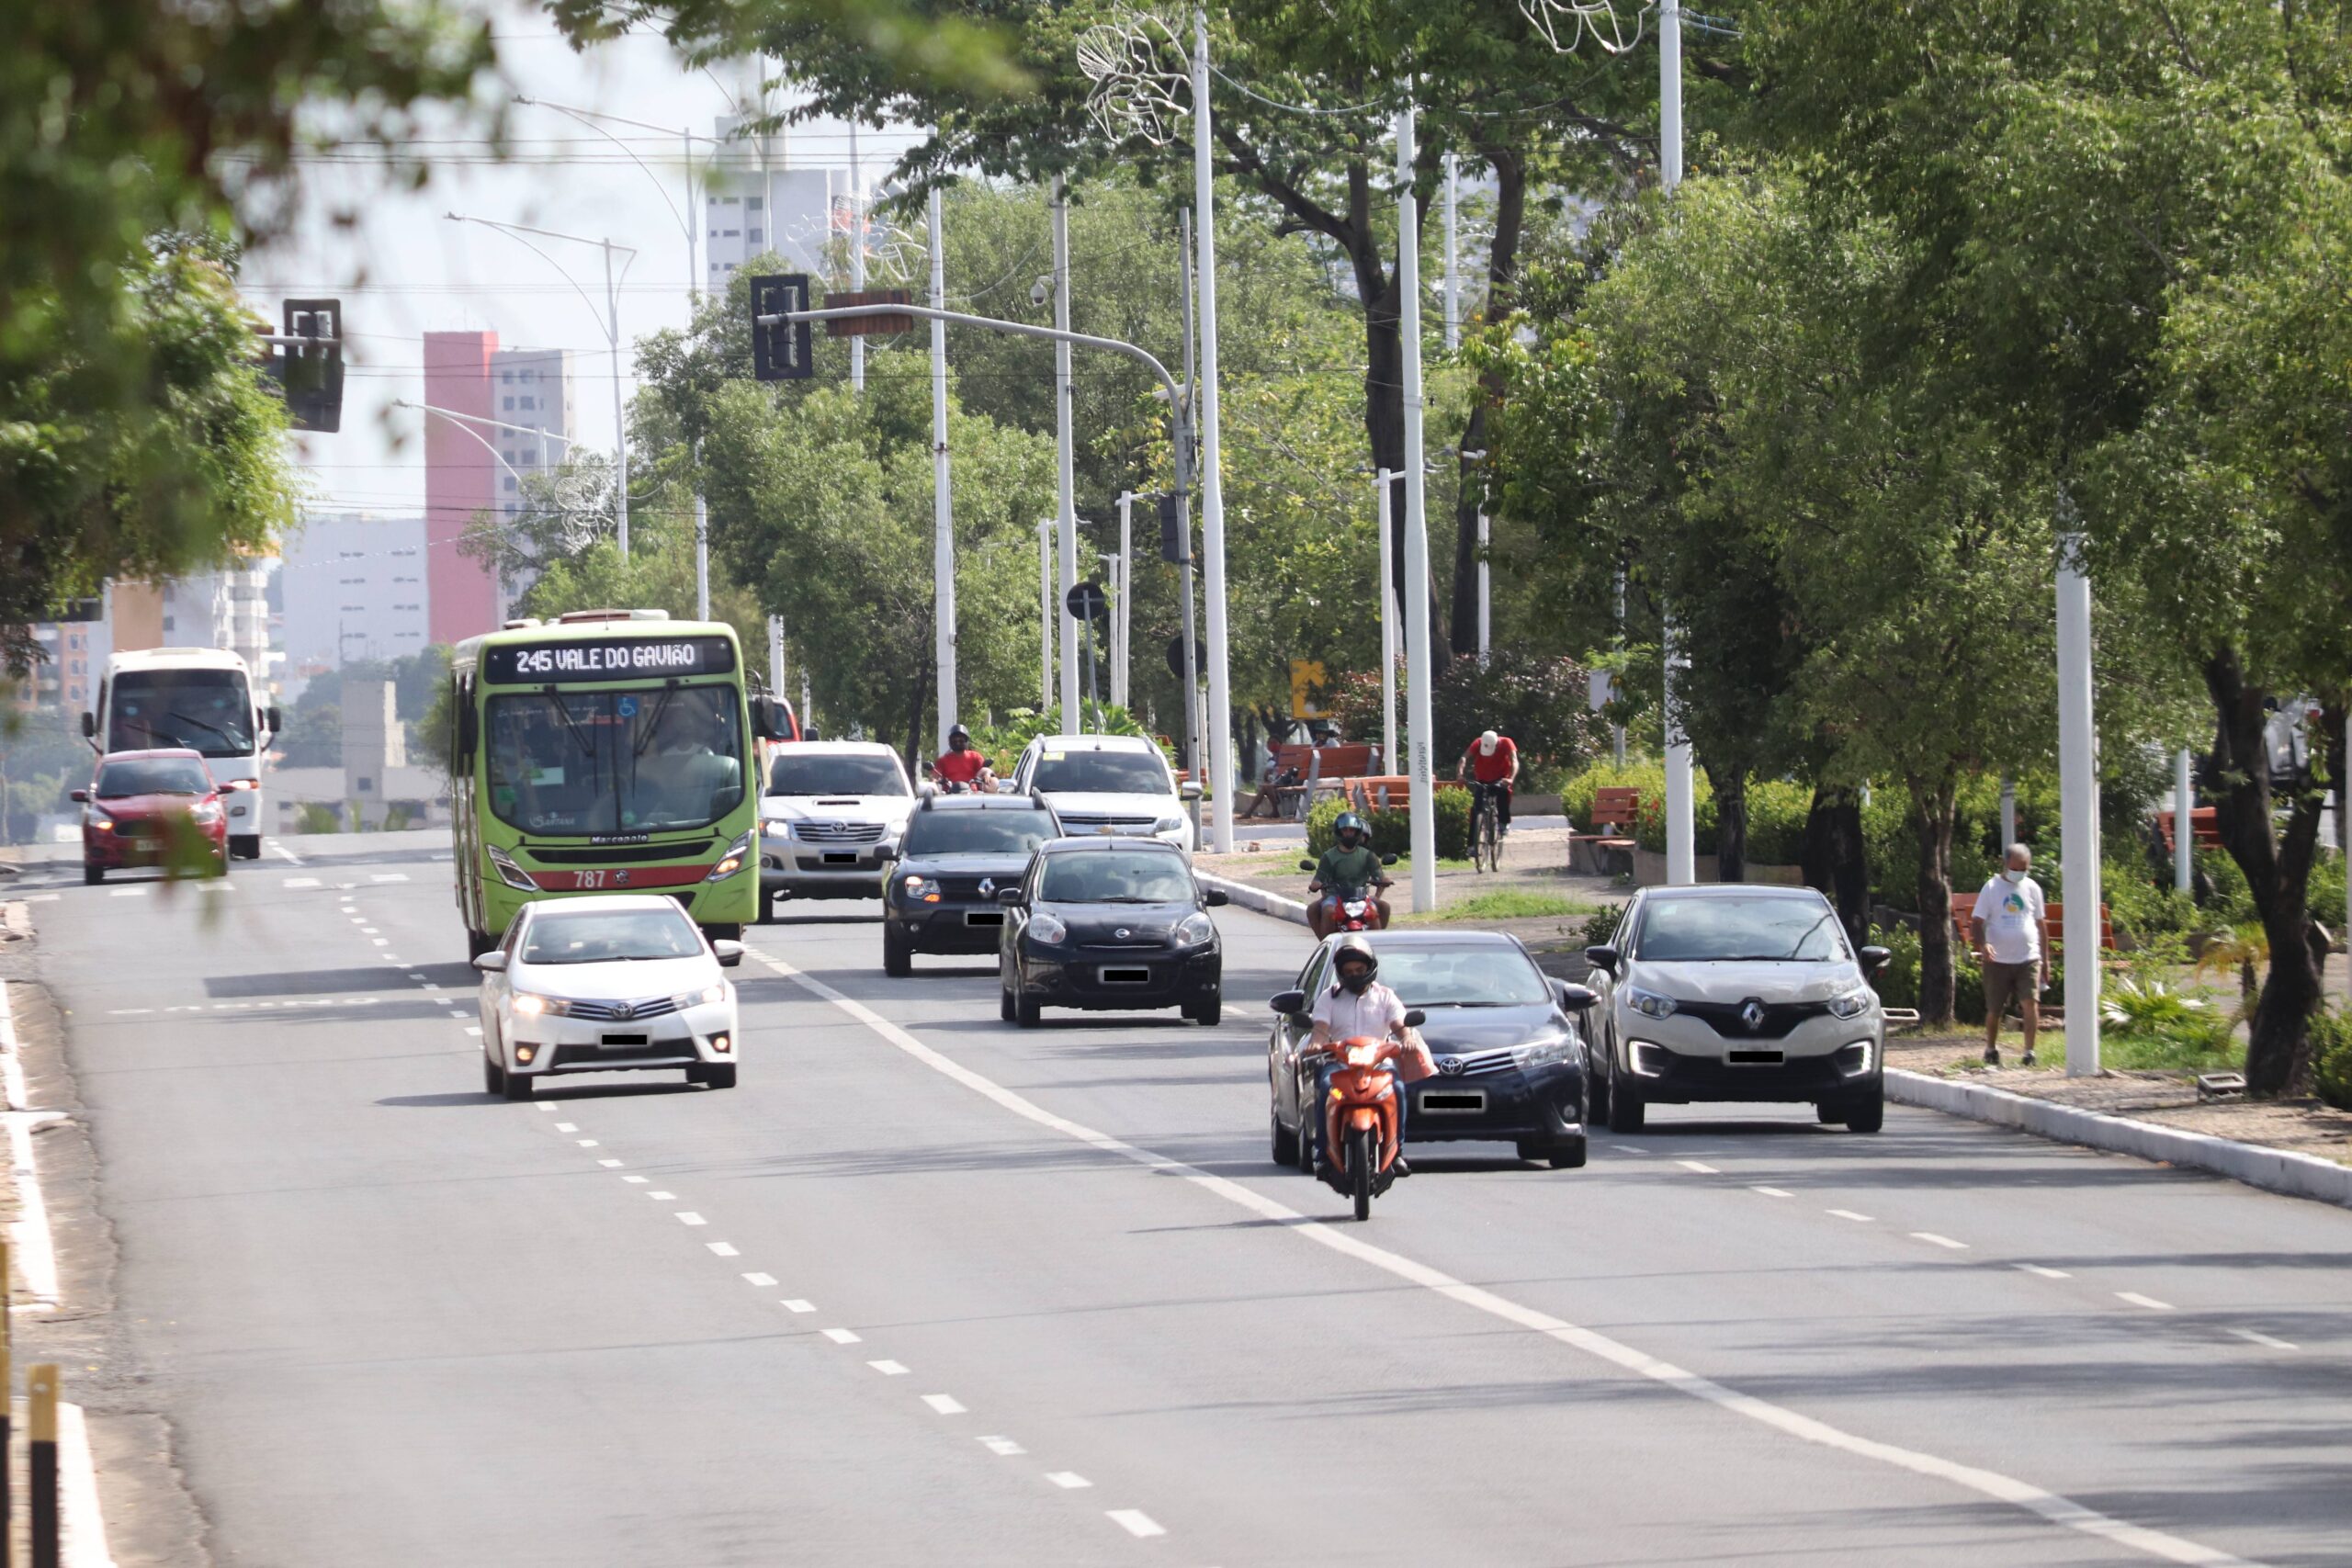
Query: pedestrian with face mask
x=2006, y=931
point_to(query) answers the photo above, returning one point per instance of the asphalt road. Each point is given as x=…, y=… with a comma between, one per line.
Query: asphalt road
x=928, y=1288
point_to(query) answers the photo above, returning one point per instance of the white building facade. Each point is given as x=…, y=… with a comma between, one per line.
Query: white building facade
x=354, y=589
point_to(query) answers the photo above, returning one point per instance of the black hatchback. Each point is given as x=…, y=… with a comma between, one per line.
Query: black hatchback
x=959, y=849
x=1110, y=925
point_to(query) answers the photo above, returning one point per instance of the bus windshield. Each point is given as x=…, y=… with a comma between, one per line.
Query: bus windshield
x=594, y=762
x=208, y=711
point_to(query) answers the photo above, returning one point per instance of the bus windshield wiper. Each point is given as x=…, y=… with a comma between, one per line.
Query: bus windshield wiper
x=563, y=711
x=237, y=740
x=654, y=721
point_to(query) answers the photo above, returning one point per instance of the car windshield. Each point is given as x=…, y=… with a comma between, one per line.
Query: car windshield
x=1730, y=929
x=1101, y=773
x=1473, y=975
x=604, y=938
x=977, y=832
x=154, y=775
x=209, y=711
x=798, y=773
x=1114, y=877
x=586, y=762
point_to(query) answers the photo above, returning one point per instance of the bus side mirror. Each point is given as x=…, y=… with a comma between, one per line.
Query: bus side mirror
x=275, y=720
x=89, y=726
x=768, y=721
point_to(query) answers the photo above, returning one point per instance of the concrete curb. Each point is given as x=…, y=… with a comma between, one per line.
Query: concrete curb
x=1256, y=898
x=2273, y=1170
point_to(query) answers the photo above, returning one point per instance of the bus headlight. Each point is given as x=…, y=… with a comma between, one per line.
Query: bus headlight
x=514, y=875
x=732, y=860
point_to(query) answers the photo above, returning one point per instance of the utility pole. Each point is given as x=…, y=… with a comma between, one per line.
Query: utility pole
x=1065, y=503
x=1191, y=660
x=2078, y=799
x=1387, y=479
x=1220, y=721
x=1120, y=621
x=1453, y=292
x=856, y=256
x=620, y=424
x=1416, y=587
x=2183, y=838
x=1045, y=617
x=1681, y=852
x=943, y=509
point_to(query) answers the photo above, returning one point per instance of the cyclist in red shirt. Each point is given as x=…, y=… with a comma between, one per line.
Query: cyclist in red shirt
x=1493, y=761
x=961, y=764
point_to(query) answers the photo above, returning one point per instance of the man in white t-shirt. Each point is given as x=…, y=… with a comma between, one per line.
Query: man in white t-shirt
x=1354, y=1005
x=2006, y=931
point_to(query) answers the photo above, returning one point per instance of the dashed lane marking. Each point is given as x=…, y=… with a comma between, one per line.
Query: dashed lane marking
x=688, y=1217
x=2137, y=1300
x=546, y=1105
x=566, y=1127
x=633, y=1180
x=2040, y=1272
x=610, y=1164
x=1003, y=1448
x=300, y=882
x=130, y=893
x=2041, y=1503
x=388, y=876
x=1067, y=1480
x=722, y=1249
x=2253, y=1336
x=841, y=1335
x=1629, y=1148
x=798, y=1305
x=1773, y=1191
x=944, y=1403
x=283, y=853
x=669, y=1198
x=1135, y=1522
x=1849, y=1214
x=40, y=898
x=1701, y=1167
x=1934, y=1240
x=760, y=1281
x=889, y=1369
x=583, y=1143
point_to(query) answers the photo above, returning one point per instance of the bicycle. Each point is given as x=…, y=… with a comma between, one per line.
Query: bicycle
x=1486, y=831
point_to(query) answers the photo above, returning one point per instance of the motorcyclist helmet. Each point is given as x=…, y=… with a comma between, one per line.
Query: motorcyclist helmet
x=1355, y=964
x=1488, y=742
x=1350, y=830
x=958, y=739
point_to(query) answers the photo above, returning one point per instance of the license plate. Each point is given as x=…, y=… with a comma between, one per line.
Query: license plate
x=984, y=917
x=840, y=857
x=1754, y=1058
x=1127, y=976
x=1459, y=1102
x=622, y=1042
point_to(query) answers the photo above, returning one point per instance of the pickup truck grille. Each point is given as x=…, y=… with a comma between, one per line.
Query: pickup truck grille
x=838, y=832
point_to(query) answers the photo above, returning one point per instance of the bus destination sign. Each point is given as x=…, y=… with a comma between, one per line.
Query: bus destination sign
x=609, y=658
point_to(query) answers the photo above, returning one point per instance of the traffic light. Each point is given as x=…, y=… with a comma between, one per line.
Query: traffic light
x=1175, y=531
x=309, y=369
x=781, y=350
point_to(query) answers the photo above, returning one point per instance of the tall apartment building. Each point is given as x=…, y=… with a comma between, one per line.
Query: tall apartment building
x=355, y=591
x=476, y=464
x=67, y=680
x=747, y=212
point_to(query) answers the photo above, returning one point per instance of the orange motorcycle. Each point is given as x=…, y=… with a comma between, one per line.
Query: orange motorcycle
x=1362, y=1119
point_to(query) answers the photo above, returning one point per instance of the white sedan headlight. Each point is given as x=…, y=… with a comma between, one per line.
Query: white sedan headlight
x=1853, y=1004
x=1649, y=1004
x=530, y=1004
x=703, y=997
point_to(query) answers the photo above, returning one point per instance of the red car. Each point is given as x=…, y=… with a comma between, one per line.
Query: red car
x=139, y=803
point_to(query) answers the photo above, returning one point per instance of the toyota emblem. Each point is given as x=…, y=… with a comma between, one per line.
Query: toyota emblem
x=1123, y=933
x=1451, y=1067
x=624, y=1010
x=1752, y=1014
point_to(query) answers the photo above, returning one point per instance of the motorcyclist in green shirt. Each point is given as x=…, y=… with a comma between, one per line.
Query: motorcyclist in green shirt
x=1349, y=862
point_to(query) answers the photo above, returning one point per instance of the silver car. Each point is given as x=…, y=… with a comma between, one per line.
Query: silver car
x=610, y=982
x=1737, y=993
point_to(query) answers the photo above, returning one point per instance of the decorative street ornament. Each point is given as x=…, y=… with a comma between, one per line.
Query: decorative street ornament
x=1142, y=80
x=1581, y=19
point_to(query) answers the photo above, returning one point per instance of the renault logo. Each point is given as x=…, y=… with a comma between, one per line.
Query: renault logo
x=987, y=887
x=1752, y=1014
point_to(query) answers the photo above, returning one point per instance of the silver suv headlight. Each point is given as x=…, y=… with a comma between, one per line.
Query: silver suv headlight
x=1853, y=1004
x=1649, y=1004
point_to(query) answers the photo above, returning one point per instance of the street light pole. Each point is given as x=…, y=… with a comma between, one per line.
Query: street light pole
x=465, y=422
x=2078, y=801
x=1045, y=614
x=1453, y=294
x=1419, y=670
x=943, y=507
x=1220, y=721
x=856, y=256
x=1119, y=616
x=1064, y=482
x=1385, y=481
x=1681, y=842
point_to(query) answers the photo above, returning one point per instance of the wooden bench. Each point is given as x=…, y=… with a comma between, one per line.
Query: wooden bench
x=1609, y=848
x=1301, y=773
x=2204, y=827
x=1367, y=793
x=2054, y=923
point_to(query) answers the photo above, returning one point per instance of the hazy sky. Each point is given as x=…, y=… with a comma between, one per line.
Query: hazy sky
x=404, y=270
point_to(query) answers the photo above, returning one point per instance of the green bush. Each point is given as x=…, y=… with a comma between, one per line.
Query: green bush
x=1899, y=982
x=316, y=817
x=1777, y=812
x=2326, y=892
x=1600, y=926
x=2332, y=1057
x=1392, y=829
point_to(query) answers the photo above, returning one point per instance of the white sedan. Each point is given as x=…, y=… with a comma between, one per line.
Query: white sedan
x=616, y=982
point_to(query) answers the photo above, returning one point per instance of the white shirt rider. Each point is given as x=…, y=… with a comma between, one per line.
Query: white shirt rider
x=1341, y=1014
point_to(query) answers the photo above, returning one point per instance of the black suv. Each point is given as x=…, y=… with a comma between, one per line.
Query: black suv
x=959, y=849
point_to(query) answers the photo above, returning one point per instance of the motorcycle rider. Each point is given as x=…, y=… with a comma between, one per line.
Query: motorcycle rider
x=961, y=764
x=1493, y=761
x=1356, y=1006
x=1351, y=861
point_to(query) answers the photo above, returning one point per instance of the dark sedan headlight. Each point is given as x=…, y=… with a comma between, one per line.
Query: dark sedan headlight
x=1853, y=1004
x=1193, y=930
x=916, y=889
x=1649, y=1004
x=1048, y=928
x=1546, y=1053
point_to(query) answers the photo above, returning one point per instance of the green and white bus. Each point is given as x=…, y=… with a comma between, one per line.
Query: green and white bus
x=605, y=752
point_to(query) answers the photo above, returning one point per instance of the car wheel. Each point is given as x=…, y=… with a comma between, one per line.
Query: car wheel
x=517, y=1087
x=1285, y=1150
x=719, y=1074
x=1626, y=1112
x=93, y=874
x=1866, y=1115
x=493, y=1077
x=1597, y=1111
x=1206, y=1013
x=1828, y=1113
x=898, y=955
x=1568, y=1154
x=1026, y=1012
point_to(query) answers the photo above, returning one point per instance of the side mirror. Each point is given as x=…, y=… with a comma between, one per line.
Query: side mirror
x=490, y=963
x=80, y=796
x=1189, y=790
x=1012, y=895
x=1604, y=959
x=1307, y=865
x=1416, y=1018
x=1216, y=897
x=89, y=726
x=728, y=953
x=1289, y=1003
x=1388, y=860
x=241, y=783
x=768, y=722
x=1575, y=998
x=1875, y=959
x=277, y=720
x=886, y=853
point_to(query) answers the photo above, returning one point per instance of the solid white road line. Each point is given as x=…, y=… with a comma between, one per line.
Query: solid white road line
x=889, y=1369
x=2137, y=1300
x=760, y=1281
x=1849, y=1214
x=841, y=1336
x=2022, y=1495
x=2039, y=1271
x=1772, y=1191
x=1934, y=1239
x=31, y=1240
x=1135, y=1522
x=1698, y=1165
x=1629, y=1148
x=722, y=1249
x=944, y=1403
x=281, y=851
x=1003, y=1448
x=2252, y=1337
x=1067, y=1480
